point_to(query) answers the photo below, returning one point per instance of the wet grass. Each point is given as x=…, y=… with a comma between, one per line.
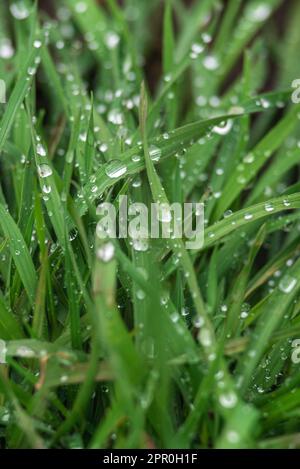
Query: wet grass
x=129, y=344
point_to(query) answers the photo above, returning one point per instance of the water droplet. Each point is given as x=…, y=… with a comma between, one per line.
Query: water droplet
x=40, y=149
x=228, y=400
x=81, y=7
x=6, y=49
x=214, y=101
x=137, y=182
x=241, y=179
x=168, y=78
x=206, y=37
x=19, y=10
x=5, y=417
x=198, y=322
x=25, y=352
x=103, y=147
x=155, y=153
x=249, y=158
x=197, y=48
x=217, y=195
x=46, y=189
x=106, y=252
x=37, y=44
x=269, y=207
x=236, y=110
x=185, y=311
x=115, y=169
x=232, y=436
x=265, y=103
x=245, y=311
x=112, y=39
x=136, y=158
x=115, y=116
x=140, y=294
x=31, y=71
x=175, y=317
x=140, y=244
x=224, y=128
x=219, y=375
x=164, y=213
x=259, y=12
x=201, y=100
x=83, y=137
x=228, y=213
x=287, y=284
x=211, y=62
x=44, y=170
x=205, y=337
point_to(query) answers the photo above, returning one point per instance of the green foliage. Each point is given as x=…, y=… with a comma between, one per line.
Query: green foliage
x=153, y=346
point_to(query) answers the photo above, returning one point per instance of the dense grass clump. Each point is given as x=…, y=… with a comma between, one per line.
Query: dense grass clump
x=134, y=343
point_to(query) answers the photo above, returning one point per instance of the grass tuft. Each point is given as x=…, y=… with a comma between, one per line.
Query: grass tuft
x=134, y=343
